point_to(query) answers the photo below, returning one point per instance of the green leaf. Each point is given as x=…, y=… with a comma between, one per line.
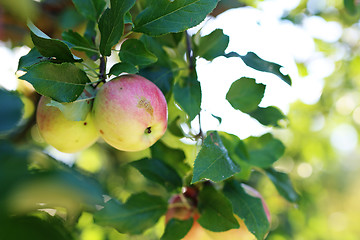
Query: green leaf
x=254, y=61
x=55, y=49
x=122, y=67
x=176, y=229
x=79, y=109
x=187, y=93
x=174, y=127
x=269, y=116
x=164, y=16
x=11, y=110
x=351, y=7
x=283, y=184
x=61, y=82
x=33, y=228
x=238, y=153
x=213, y=161
x=135, y=52
x=111, y=24
x=163, y=77
x=264, y=150
x=248, y=208
x=29, y=59
x=212, y=45
x=79, y=42
x=245, y=94
x=157, y=171
x=216, y=213
x=140, y=212
x=171, y=156
x=217, y=118
x=91, y=9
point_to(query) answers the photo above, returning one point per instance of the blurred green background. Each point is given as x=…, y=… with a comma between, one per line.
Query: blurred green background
x=322, y=154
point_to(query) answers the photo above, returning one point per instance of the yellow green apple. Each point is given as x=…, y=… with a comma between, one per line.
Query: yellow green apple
x=61, y=133
x=130, y=113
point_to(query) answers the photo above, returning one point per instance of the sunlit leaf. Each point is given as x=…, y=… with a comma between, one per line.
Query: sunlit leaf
x=212, y=45
x=245, y=94
x=213, y=161
x=164, y=16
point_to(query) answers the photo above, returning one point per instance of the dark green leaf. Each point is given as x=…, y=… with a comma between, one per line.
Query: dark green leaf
x=91, y=9
x=187, y=94
x=11, y=110
x=269, y=116
x=264, y=150
x=254, y=61
x=283, y=184
x=79, y=42
x=213, y=161
x=155, y=45
x=29, y=59
x=111, y=24
x=159, y=172
x=350, y=6
x=61, y=82
x=238, y=153
x=174, y=127
x=13, y=168
x=122, y=67
x=164, y=16
x=248, y=208
x=55, y=49
x=245, y=94
x=176, y=229
x=212, y=45
x=135, y=52
x=217, y=118
x=140, y=212
x=216, y=213
x=33, y=228
x=163, y=77
x=171, y=156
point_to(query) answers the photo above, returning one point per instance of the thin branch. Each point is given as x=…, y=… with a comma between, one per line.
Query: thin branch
x=189, y=52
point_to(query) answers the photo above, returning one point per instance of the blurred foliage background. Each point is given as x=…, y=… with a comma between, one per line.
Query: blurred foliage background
x=322, y=154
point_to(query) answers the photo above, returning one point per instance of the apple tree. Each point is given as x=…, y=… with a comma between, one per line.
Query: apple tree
x=193, y=177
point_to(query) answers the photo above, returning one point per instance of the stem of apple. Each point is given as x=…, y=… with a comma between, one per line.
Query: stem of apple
x=102, y=73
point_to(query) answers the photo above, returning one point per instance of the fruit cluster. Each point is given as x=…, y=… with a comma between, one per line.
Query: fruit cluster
x=128, y=112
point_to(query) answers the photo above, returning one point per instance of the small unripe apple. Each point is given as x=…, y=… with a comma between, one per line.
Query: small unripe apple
x=65, y=135
x=130, y=113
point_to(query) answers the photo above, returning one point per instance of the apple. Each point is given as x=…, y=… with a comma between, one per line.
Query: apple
x=130, y=112
x=65, y=135
x=177, y=209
